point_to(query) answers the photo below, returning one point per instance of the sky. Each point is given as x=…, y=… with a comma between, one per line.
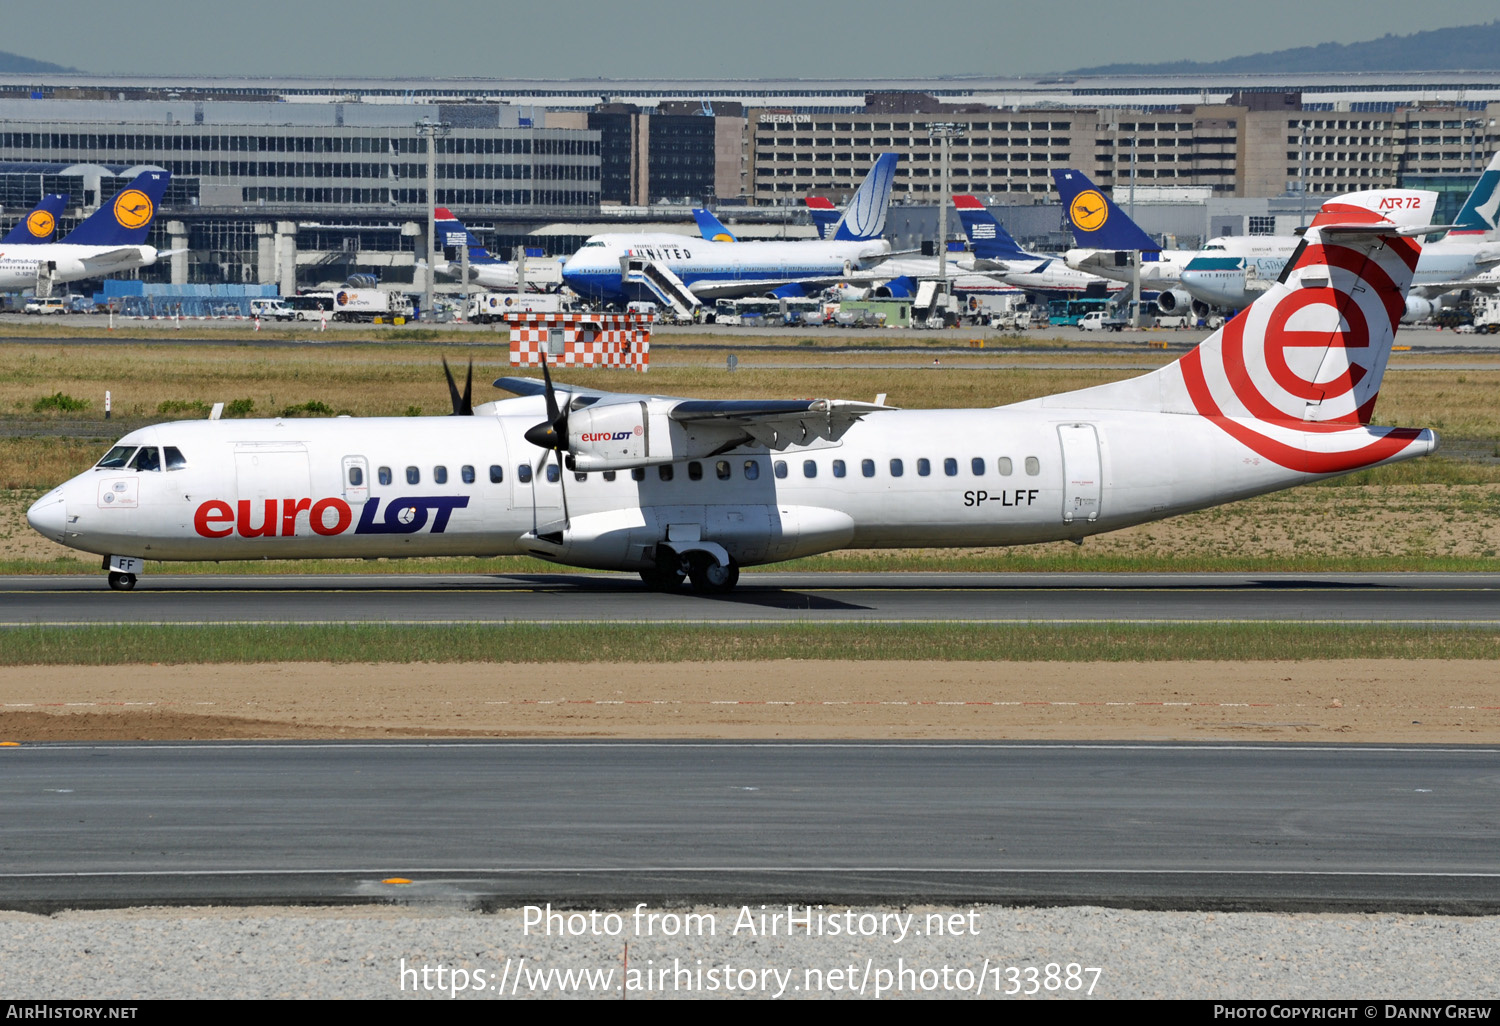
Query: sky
x=580, y=39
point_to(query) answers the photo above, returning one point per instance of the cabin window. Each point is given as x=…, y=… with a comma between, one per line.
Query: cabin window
x=116, y=458
x=781, y=468
x=809, y=468
x=695, y=471
x=664, y=472
x=148, y=458
x=1006, y=467
x=752, y=470
x=1033, y=466
x=384, y=475
x=838, y=468
x=553, y=473
x=977, y=465
x=413, y=475
x=523, y=473
x=175, y=459
x=950, y=466
x=497, y=473
x=638, y=474
x=356, y=477
x=467, y=473
x=721, y=470
x=897, y=468
x=924, y=467
x=440, y=475
x=609, y=475
x=867, y=468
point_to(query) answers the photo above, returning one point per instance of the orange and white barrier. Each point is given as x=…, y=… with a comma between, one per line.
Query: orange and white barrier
x=586, y=340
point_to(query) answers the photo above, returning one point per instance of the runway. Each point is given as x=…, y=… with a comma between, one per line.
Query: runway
x=1471, y=600
x=482, y=824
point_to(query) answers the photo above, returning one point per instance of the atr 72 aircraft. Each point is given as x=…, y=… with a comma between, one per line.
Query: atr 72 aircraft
x=673, y=488
x=111, y=240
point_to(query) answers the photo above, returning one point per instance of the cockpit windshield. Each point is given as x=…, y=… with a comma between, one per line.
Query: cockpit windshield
x=117, y=458
x=148, y=458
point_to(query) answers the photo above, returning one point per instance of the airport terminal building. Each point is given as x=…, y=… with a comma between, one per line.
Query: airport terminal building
x=303, y=181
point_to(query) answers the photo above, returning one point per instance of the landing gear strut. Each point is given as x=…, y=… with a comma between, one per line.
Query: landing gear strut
x=121, y=582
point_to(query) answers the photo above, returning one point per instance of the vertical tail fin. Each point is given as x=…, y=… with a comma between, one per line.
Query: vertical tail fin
x=1479, y=213
x=39, y=225
x=987, y=236
x=126, y=219
x=864, y=217
x=1295, y=376
x=823, y=213
x=1097, y=222
x=711, y=228
x=452, y=234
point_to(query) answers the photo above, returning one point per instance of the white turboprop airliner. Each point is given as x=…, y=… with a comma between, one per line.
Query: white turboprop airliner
x=109, y=241
x=671, y=487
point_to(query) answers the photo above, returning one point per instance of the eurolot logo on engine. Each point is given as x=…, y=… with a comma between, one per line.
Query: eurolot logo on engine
x=608, y=436
x=273, y=518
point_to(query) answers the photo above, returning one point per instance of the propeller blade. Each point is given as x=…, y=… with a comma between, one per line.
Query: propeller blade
x=553, y=433
x=467, y=410
x=458, y=404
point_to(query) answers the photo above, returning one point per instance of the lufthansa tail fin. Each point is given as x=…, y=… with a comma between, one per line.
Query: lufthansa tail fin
x=451, y=234
x=126, y=219
x=1097, y=222
x=41, y=224
x=711, y=228
x=987, y=236
x=823, y=213
x=1479, y=213
x=1294, y=377
x=864, y=217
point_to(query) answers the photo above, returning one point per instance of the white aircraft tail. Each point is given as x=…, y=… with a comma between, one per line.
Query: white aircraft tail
x=1296, y=375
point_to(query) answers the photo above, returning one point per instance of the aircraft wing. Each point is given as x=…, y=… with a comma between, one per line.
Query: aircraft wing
x=738, y=288
x=776, y=423
x=111, y=258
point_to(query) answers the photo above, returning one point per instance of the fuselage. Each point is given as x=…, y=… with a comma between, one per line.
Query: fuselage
x=594, y=271
x=1232, y=272
x=1159, y=269
x=450, y=486
x=495, y=275
x=20, y=265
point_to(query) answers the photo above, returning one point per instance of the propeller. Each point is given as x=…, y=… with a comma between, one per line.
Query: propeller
x=551, y=436
x=463, y=406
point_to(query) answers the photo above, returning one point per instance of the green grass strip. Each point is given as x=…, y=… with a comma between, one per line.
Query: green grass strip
x=647, y=643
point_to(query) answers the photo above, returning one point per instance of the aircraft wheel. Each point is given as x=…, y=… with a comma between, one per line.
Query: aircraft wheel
x=662, y=580
x=711, y=577
x=121, y=582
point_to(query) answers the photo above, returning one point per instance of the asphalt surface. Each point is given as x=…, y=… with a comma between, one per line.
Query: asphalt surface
x=1417, y=599
x=484, y=824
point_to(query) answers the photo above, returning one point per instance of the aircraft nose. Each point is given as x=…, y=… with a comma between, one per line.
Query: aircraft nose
x=48, y=516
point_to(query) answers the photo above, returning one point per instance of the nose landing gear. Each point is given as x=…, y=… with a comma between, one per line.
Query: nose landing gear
x=121, y=582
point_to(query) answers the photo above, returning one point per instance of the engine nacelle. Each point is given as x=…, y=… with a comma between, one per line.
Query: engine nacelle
x=622, y=436
x=1174, y=302
x=792, y=291
x=1418, y=309
x=903, y=287
x=1201, y=309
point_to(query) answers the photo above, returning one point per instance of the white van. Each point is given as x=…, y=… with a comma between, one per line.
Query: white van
x=271, y=308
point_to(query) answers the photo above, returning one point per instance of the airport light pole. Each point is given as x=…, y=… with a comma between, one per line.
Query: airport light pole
x=944, y=132
x=431, y=130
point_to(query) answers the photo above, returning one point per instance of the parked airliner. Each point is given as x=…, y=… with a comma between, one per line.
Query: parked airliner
x=109, y=241
x=1231, y=271
x=619, y=267
x=671, y=487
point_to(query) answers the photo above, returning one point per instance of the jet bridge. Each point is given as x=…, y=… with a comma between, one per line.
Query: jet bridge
x=666, y=286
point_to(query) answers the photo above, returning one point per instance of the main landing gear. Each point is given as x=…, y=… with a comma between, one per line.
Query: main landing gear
x=708, y=575
x=121, y=582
